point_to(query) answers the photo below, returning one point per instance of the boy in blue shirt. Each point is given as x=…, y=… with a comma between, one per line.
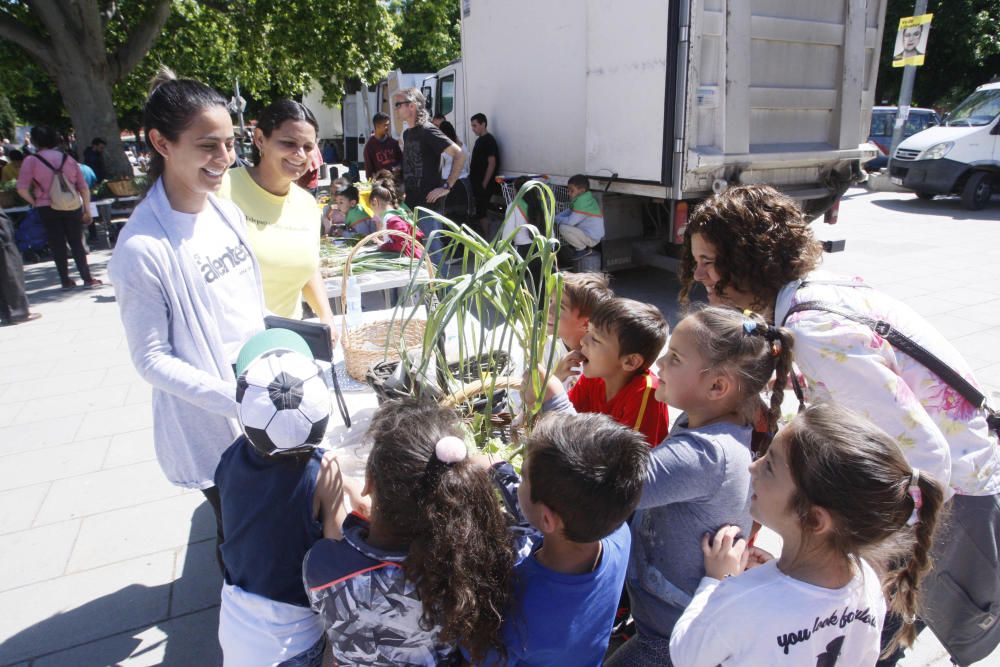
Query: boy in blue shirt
x=581, y=479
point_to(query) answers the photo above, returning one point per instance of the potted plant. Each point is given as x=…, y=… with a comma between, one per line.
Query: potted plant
x=488, y=313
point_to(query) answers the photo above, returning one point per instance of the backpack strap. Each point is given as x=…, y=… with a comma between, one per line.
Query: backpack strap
x=49, y=165
x=904, y=343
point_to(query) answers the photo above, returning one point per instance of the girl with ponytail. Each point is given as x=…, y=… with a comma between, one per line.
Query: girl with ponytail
x=430, y=568
x=839, y=492
x=718, y=362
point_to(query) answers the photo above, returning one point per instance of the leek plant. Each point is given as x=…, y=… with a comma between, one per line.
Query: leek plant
x=493, y=304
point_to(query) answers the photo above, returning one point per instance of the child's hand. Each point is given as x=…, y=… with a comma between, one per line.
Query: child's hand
x=725, y=556
x=757, y=556
x=552, y=388
x=360, y=503
x=568, y=365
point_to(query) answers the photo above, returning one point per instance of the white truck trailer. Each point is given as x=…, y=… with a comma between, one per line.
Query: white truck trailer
x=663, y=102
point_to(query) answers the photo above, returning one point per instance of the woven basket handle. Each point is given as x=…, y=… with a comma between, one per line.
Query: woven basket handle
x=347, y=266
x=477, y=387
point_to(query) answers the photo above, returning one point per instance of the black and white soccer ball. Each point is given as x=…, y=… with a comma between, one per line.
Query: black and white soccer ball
x=284, y=402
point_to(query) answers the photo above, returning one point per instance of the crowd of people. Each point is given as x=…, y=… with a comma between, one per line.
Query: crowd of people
x=453, y=557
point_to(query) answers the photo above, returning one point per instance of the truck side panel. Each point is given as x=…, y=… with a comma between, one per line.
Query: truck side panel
x=524, y=66
x=625, y=85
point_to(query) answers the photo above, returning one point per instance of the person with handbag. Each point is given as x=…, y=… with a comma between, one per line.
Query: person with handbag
x=751, y=247
x=51, y=181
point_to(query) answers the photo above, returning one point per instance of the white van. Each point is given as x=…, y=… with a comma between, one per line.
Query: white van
x=961, y=156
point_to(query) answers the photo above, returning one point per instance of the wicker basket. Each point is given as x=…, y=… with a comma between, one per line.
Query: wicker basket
x=380, y=340
x=496, y=363
x=123, y=188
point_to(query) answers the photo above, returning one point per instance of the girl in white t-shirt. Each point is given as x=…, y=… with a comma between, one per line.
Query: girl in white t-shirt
x=836, y=488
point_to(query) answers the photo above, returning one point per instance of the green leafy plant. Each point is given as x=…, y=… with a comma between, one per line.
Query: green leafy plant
x=491, y=305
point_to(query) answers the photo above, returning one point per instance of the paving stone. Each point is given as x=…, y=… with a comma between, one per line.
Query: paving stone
x=982, y=345
x=142, y=529
x=951, y=326
x=46, y=384
x=114, y=421
x=36, y=554
x=82, y=402
x=139, y=392
x=51, y=463
x=14, y=369
x=22, y=437
x=78, y=608
x=121, y=374
x=8, y=411
x=988, y=313
x=20, y=507
x=105, y=490
x=180, y=642
x=129, y=448
x=197, y=580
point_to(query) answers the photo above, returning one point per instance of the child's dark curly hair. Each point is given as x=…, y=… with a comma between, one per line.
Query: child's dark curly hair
x=461, y=555
x=761, y=239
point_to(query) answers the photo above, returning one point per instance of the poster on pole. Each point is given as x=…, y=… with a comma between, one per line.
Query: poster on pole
x=911, y=40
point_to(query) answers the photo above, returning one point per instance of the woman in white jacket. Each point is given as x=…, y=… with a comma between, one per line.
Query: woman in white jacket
x=187, y=284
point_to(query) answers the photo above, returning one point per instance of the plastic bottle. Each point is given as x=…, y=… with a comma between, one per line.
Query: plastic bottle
x=353, y=303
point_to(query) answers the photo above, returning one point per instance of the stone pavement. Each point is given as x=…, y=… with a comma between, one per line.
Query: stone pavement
x=102, y=562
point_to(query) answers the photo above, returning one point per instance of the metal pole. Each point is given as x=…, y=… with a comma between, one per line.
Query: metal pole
x=239, y=107
x=905, y=93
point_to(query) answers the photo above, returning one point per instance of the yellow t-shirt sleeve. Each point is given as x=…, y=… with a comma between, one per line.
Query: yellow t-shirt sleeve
x=284, y=235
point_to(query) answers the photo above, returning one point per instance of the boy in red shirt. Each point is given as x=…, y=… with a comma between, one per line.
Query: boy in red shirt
x=623, y=340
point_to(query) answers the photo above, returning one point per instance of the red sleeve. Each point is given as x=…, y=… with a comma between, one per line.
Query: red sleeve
x=580, y=394
x=636, y=404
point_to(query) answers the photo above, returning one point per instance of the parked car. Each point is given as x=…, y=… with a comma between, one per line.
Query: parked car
x=883, y=122
x=961, y=157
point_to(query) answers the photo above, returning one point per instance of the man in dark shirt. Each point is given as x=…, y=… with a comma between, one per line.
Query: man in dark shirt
x=423, y=145
x=484, y=168
x=93, y=157
x=382, y=151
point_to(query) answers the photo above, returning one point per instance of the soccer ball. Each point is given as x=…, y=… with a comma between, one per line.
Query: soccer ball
x=284, y=402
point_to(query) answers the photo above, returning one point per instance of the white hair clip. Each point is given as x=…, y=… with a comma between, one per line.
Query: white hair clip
x=450, y=449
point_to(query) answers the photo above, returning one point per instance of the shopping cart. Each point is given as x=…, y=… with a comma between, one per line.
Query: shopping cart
x=509, y=190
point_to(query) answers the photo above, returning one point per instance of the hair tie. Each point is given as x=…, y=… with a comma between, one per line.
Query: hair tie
x=749, y=326
x=918, y=497
x=450, y=449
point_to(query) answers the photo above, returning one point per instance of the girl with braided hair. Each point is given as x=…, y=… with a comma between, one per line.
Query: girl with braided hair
x=717, y=363
x=751, y=247
x=839, y=492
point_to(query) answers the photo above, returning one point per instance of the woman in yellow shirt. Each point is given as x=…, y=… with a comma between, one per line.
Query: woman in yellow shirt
x=283, y=221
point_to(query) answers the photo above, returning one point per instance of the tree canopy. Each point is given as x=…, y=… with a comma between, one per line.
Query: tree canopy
x=274, y=46
x=963, y=51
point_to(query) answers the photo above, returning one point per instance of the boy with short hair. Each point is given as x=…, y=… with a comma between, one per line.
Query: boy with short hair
x=382, y=150
x=582, y=477
x=623, y=340
x=582, y=224
x=357, y=221
x=582, y=294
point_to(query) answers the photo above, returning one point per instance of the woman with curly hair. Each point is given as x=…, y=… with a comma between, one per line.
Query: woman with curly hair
x=431, y=567
x=751, y=247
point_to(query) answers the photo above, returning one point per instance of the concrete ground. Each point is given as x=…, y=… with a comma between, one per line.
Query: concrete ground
x=102, y=562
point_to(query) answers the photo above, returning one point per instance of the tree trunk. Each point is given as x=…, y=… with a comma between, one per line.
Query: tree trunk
x=72, y=51
x=87, y=97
